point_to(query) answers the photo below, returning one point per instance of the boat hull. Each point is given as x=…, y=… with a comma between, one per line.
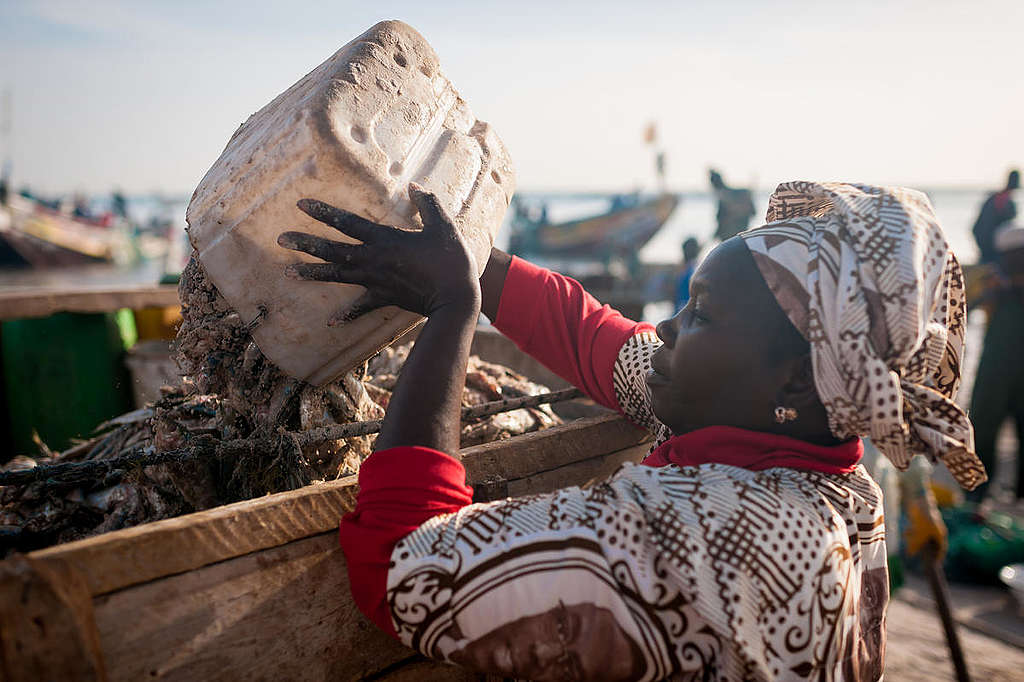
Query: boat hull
x=622, y=230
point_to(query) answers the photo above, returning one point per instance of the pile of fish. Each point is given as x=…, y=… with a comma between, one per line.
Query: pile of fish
x=231, y=393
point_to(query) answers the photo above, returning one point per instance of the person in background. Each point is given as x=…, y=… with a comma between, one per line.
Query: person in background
x=119, y=204
x=999, y=385
x=735, y=207
x=691, y=249
x=5, y=183
x=80, y=207
x=998, y=210
x=750, y=542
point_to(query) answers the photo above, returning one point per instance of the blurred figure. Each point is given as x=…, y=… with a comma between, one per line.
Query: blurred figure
x=997, y=211
x=81, y=207
x=5, y=183
x=691, y=249
x=999, y=386
x=735, y=207
x=118, y=204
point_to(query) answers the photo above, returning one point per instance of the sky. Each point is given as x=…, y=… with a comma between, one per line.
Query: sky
x=144, y=95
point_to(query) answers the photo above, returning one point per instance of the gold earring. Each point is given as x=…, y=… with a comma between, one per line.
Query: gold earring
x=785, y=414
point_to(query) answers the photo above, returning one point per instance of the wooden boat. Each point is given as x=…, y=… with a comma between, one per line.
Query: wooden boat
x=622, y=229
x=256, y=589
x=39, y=237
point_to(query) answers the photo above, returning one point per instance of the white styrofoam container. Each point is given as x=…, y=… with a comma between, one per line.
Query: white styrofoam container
x=354, y=133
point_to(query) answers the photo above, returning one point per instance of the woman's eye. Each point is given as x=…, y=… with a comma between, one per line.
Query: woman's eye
x=694, y=314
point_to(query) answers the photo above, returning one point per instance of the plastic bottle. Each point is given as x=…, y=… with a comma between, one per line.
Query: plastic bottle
x=354, y=132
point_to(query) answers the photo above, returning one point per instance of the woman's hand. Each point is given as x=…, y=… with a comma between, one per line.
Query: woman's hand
x=422, y=271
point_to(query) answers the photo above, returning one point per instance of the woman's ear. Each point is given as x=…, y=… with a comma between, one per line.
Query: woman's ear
x=799, y=390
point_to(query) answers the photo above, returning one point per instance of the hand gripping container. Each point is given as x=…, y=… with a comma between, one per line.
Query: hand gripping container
x=355, y=132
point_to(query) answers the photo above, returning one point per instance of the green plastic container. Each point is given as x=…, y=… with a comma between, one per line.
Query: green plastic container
x=63, y=375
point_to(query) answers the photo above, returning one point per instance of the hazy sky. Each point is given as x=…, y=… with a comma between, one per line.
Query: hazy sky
x=145, y=94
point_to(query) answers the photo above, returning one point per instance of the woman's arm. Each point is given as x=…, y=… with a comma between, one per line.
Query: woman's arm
x=410, y=478
x=424, y=407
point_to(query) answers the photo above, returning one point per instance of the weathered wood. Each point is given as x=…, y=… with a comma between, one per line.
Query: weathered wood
x=24, y=303
x=134, y=555
x=279, y=614
x=47, y=628
x=578, y=473
x=283, y=613
x=558, y=446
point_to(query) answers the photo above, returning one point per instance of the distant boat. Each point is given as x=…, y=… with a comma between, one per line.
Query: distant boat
x=39, y=237
x=627, y=226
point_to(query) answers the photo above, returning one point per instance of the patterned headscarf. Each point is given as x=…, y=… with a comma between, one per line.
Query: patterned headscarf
x=866, y=275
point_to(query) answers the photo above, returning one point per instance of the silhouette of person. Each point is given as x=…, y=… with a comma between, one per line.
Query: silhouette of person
x=999, y=386
x=735, y=207
x=997, y=211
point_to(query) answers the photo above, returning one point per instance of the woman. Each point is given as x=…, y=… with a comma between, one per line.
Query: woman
x=749, y=544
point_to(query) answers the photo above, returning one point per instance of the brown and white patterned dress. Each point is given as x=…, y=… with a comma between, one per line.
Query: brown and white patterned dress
x=710, y=572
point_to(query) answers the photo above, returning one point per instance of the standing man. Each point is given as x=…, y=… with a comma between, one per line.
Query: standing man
x=999, y=386
x=735, y=207
x=997, y=211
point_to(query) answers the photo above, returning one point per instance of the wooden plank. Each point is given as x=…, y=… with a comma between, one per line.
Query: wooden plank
x=577, y=473
x=279, y=614
x=558, y=446
x=24, y=303
x=283, y=613
x=47, y=629
x=134, y=555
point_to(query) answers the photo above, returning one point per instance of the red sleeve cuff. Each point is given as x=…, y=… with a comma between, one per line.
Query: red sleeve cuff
x=399, y=489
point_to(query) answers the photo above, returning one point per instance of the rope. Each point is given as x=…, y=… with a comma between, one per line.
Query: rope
x=98, y=469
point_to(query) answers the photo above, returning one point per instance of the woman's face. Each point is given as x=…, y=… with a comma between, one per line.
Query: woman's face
x=720, y=365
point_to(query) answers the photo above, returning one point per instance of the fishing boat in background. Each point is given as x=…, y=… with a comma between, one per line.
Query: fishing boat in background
x=617, y=234
x=628, y=225
x=38, y=236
